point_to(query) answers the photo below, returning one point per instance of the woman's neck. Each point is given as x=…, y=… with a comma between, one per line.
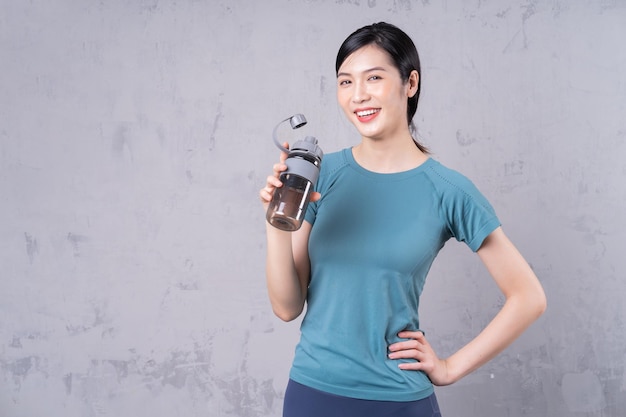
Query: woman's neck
x=388, y=156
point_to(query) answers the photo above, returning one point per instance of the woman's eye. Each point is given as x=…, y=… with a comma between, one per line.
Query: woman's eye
x=344, y=82
x=374, y=77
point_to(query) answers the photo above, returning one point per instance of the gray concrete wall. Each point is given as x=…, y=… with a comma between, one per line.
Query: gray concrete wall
x=134, y=136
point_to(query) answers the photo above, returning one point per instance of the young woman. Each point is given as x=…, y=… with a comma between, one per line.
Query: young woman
x=381, y=212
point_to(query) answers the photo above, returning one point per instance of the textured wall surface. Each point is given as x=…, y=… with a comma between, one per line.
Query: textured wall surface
x=134, y=135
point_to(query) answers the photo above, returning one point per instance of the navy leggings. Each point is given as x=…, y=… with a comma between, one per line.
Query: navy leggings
x=302, y=401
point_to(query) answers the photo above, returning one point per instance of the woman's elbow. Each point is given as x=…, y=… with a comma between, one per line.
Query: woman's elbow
x=286, y=315
x=542, y=302
x=537, y=302
x=531, y=302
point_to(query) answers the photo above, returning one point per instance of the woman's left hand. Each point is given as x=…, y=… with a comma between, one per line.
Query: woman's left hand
x=426, y=360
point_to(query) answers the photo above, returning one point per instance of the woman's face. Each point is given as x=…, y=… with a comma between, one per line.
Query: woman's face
x=372, y=93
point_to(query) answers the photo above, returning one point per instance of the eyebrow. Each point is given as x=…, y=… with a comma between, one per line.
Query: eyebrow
x=340, y=74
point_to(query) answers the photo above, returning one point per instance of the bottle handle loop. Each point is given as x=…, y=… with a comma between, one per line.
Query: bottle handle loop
x=296, y=121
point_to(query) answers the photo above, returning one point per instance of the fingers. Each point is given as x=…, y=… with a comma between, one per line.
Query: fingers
x=315, y=196
x=416, y=347
x=271, y=184
x=408, y=354
x=407, y=350
x=422, y=357
x=266, y=194
x=273, y=181
x=278, y=168
x=414, y=338
x=283, y=155
x=407, y=334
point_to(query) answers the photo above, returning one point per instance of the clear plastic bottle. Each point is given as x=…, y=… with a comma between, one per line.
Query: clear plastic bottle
x=289, y=203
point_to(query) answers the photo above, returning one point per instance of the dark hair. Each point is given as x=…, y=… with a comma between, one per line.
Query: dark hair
x=401, y=50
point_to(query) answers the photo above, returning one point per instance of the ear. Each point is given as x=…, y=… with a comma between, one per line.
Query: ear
x=413, y=83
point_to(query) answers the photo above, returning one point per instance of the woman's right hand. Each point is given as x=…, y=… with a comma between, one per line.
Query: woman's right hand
x=273, y=180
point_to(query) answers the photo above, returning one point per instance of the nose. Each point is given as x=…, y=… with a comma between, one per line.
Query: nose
x=360, y=93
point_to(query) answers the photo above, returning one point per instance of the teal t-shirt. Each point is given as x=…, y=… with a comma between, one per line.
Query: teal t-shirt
x=373, y=241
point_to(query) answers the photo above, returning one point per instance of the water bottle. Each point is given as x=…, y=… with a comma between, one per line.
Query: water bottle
x=289, y=203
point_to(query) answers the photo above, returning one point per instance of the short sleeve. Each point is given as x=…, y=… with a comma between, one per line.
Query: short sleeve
x=332, y=163
x=311, y=212
x=468, y=214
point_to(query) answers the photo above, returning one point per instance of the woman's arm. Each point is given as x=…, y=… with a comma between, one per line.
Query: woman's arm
x=287, y=270
x=287, y=264
x=525, y=302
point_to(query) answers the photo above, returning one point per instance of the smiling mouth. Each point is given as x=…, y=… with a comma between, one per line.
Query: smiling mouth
x=365, y=113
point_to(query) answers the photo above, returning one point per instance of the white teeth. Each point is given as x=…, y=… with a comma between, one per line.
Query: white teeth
x=366, y=112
